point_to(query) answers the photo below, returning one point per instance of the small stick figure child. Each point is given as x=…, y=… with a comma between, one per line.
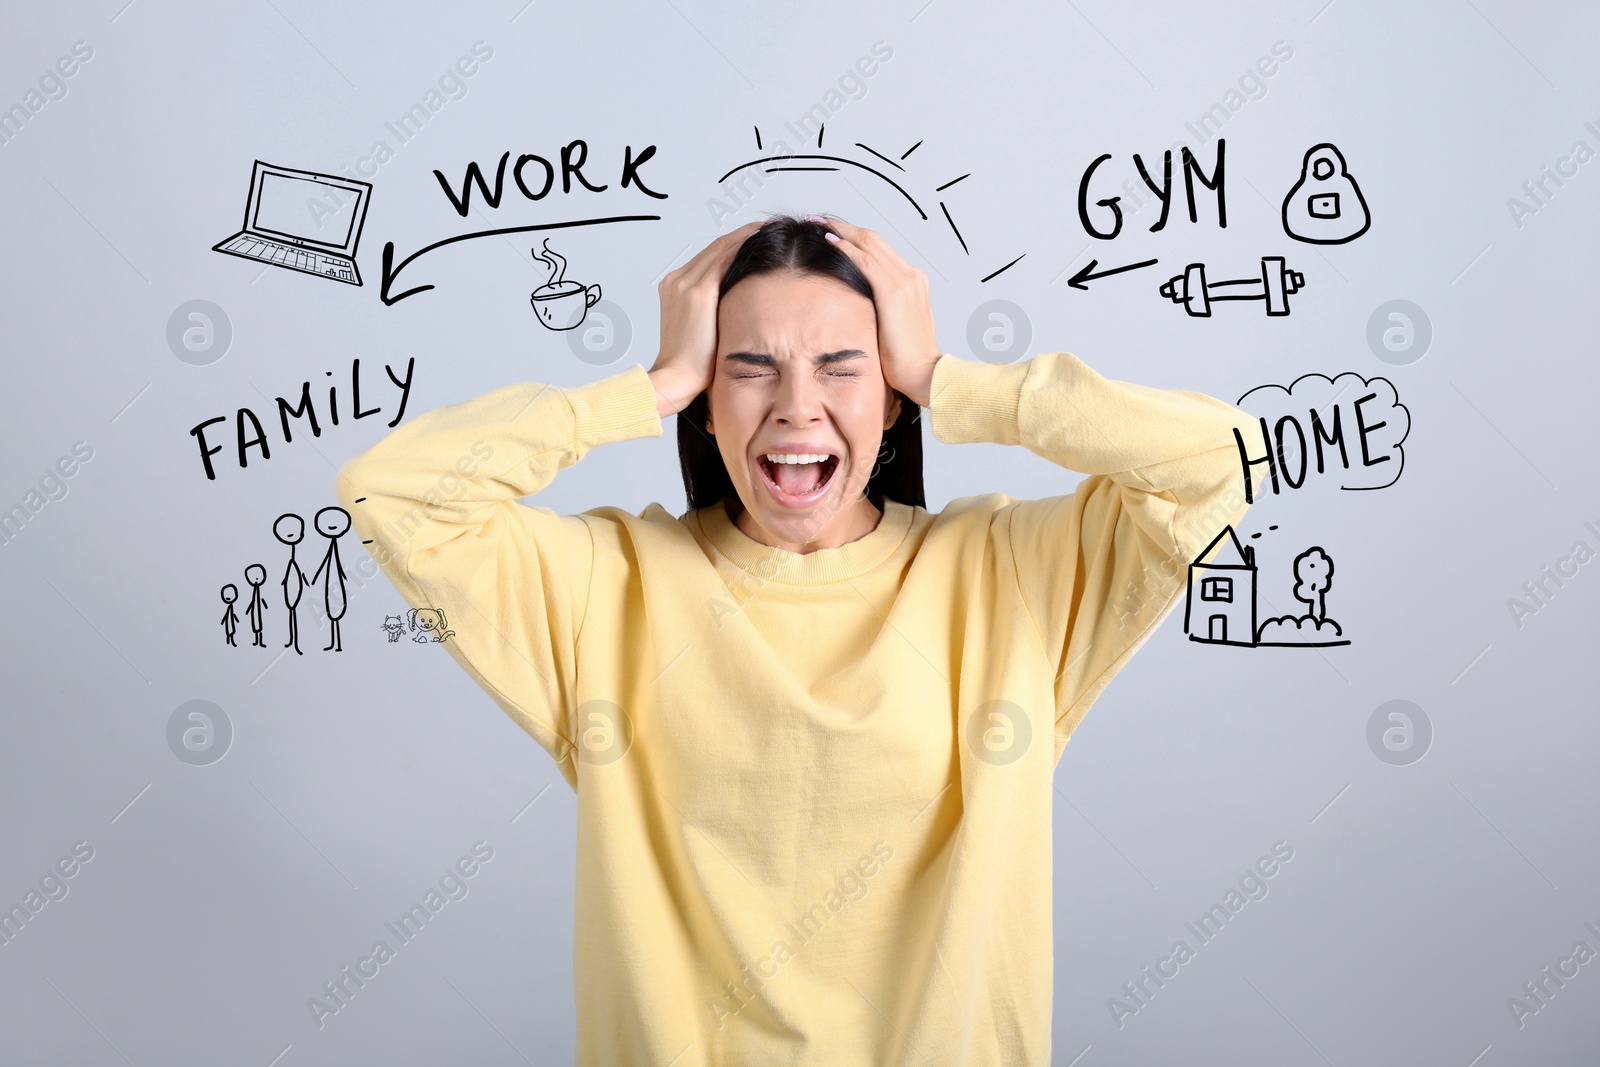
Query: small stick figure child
x=230, y=619
x=256, y=575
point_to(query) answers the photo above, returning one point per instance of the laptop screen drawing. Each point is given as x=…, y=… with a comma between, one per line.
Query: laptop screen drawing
x=310, y=209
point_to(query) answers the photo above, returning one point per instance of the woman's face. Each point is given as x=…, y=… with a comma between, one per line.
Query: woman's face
x=797, y=372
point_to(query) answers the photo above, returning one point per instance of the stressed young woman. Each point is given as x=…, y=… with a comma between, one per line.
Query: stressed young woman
x=812, y=726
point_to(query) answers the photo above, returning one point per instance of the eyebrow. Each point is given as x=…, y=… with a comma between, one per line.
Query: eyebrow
x=762, y=359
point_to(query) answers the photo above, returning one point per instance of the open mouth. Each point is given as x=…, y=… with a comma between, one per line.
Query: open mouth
x=798, y=484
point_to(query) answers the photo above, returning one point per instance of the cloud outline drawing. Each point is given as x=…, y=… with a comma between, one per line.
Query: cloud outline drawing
x=1277, y=409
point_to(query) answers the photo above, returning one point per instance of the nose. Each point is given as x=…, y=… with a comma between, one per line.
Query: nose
x=799, y=398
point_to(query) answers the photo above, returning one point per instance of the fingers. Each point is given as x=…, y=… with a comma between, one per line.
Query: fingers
x=850, y=240
x=885, y=270
x=714, y=257
x=727, y=246
x=866, y=240
x=876, y=257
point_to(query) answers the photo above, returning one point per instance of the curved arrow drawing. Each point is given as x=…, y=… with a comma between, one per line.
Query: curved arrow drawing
x=391, y=270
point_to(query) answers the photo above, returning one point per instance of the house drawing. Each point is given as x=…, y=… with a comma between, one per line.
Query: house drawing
x=1220, y=607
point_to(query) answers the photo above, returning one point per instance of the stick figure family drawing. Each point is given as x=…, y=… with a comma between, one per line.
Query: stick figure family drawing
x=290, y=529
x=427, y=625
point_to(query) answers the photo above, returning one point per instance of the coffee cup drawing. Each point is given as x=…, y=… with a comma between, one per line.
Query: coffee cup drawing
x=561, y=304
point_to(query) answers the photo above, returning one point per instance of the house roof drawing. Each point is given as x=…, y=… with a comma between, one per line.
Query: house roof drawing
x=1233, y=556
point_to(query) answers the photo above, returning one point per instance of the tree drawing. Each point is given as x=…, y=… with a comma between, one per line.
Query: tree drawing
x=1313, y=575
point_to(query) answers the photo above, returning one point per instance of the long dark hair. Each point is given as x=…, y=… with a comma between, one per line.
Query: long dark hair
x=798, y=245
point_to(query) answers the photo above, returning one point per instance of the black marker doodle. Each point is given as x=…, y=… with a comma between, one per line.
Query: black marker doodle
x=429, y=626
x=1313, y=577
x=247, y=425
x=573, y=156
x=256, y=575
x=1325, y=207
x=392, y=271
x=1220, y=605
x=394, y=626
x=302, y=220
x=1340, y=415
x=1163, y=192
x=561, y=304
x=1088, y=273
x=333, y=523
x=290, y=529
x=230, y=619
x=1197, y=295
x=782, y=161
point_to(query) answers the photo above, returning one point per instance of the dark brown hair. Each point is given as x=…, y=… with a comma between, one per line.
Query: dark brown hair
x=800, y=246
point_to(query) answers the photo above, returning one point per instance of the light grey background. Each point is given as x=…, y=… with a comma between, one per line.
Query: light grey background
x=220, y=898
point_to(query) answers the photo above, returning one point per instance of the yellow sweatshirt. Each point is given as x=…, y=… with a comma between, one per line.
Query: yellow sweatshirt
x=814, y=791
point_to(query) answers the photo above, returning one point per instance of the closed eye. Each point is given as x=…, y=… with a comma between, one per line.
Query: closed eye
x=830, y=374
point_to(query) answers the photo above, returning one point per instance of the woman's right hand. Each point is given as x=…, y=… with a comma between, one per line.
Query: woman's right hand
x=683, y=367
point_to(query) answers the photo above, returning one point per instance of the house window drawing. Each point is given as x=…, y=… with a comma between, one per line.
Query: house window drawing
x=1224, y=612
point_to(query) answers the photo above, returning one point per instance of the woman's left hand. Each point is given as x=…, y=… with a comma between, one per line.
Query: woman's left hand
x=906, y=344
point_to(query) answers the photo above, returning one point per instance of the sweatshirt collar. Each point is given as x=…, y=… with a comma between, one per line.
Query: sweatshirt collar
x=821, y=567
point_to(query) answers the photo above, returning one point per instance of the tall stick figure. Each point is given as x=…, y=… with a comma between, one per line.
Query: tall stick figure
x=290, y=529
x=332, y=523
x=230, y=618
x=256, y=575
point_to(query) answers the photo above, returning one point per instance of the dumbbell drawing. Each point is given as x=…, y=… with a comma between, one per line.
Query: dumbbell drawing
x=1325, y=207
x=1197, y=295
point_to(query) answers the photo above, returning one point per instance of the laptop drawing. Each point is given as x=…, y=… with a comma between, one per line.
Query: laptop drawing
x=303, y=221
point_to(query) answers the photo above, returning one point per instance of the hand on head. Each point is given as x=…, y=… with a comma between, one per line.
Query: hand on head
x=907, y=347
x=683, y=368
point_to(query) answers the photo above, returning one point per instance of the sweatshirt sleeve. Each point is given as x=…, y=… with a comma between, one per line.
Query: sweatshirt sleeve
x=436, y=504
x=1099, y=568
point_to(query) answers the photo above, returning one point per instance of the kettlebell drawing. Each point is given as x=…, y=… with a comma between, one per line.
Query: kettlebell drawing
x=1325, y=207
